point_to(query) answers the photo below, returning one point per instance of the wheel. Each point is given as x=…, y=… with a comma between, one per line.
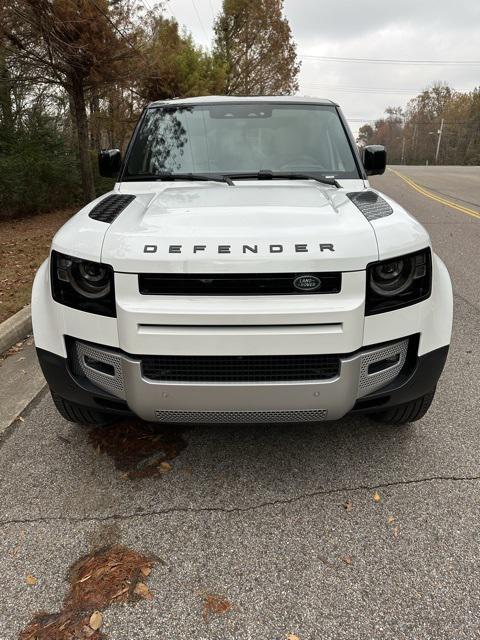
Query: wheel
x=407, y=412
x=79, y=414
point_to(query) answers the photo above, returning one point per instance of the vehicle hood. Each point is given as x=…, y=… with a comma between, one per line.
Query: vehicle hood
x=213, y=227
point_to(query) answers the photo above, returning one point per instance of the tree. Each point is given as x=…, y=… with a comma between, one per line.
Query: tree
x=387, y=131
x=254, y=41
x=416, y=130
x=38, y=171
x=365, y=135
x=175, y=67
x=72, y=44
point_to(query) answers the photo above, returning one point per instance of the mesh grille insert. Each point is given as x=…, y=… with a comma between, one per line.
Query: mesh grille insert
x=245, y=417
x=110, y=207
x=240, y=368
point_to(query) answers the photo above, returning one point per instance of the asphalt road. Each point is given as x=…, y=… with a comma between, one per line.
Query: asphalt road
x=256, y=515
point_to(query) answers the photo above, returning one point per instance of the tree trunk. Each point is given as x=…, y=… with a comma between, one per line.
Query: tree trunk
x=94, y=123
x=77, y=92
x=6, y=107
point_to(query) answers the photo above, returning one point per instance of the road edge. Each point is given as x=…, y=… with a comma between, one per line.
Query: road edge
x=15, y=328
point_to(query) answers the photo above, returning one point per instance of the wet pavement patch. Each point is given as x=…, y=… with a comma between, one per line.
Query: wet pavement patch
x=139, y=449
x=105, y=577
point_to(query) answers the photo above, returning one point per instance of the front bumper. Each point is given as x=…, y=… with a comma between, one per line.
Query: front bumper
x=115, y=380
x=419, y=376
x=266, y=326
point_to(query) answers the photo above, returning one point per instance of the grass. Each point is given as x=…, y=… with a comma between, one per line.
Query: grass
x=24, y=245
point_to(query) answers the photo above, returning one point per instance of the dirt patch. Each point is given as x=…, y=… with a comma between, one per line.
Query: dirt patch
x=24, y=245
x=139, y=449
x=105, y=577
x=61, y=626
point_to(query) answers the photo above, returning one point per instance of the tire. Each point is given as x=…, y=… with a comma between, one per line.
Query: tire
x=407, y=412
x=80, y=414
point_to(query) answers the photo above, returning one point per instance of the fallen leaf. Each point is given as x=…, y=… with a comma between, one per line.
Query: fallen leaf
x=347, y=559
x=348, y=505
x=292, y=636
x=119, y=593
x=142, y=590
x=96, y=620
x=390, y=520
x=31, y=580
x=395, y=531
x=20, y=418
x=215, y=604
x=376, y=497
x=146, y=570
x=85, y=578
x=165, y=467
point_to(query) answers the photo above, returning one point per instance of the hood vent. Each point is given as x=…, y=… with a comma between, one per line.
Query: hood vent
x=370, y=204
x=110, y=207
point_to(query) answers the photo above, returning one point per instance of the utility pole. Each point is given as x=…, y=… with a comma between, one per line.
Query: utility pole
x=440, y=131
x=414, y=142
x=402, y=161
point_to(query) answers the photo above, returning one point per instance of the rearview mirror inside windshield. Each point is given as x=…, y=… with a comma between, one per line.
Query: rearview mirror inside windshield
x=220, y=111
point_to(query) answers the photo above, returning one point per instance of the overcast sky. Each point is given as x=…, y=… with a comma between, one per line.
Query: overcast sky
x=410, y=30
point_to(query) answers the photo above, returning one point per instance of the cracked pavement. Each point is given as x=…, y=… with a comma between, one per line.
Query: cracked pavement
x=256, y=513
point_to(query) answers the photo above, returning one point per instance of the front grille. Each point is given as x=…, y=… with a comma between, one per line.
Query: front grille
x=240, y=368
x=237, y=284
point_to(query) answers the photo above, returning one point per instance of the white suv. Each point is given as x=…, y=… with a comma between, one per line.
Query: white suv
x=242, y=270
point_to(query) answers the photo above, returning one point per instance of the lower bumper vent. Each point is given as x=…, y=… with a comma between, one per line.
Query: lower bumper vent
x=245, y=417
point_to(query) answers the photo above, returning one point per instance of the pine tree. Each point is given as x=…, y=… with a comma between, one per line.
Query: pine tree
x=73, y=44
x=254, y=40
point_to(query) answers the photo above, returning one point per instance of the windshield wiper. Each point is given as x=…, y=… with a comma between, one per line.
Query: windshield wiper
x=283, y=175
x=168, y=176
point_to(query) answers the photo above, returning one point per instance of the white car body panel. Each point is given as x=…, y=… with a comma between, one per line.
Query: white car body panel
x=288, y=226
x=214, y=215
x=432, y=319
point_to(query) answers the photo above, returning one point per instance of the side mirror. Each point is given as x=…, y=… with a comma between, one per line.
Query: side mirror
x=109, y=162
x=374, y=159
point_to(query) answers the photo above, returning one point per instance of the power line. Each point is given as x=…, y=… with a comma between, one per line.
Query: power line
x=211, y=10
x=167, y=4
x=467, y=63
x=200, y=20
x=368, y=90
x=117, y=29
x=123, y=35
x=147, y=6
x=413, y=122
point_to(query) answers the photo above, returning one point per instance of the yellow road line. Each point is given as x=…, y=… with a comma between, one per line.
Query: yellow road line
x=432, y=196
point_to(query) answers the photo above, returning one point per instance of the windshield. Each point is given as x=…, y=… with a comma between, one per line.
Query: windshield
x=228, y=138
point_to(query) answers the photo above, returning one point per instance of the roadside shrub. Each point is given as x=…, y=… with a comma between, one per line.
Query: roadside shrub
x=38, y=170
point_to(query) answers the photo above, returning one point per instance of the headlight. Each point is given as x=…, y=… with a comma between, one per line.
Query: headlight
x=399, y=282
x=83, y=284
